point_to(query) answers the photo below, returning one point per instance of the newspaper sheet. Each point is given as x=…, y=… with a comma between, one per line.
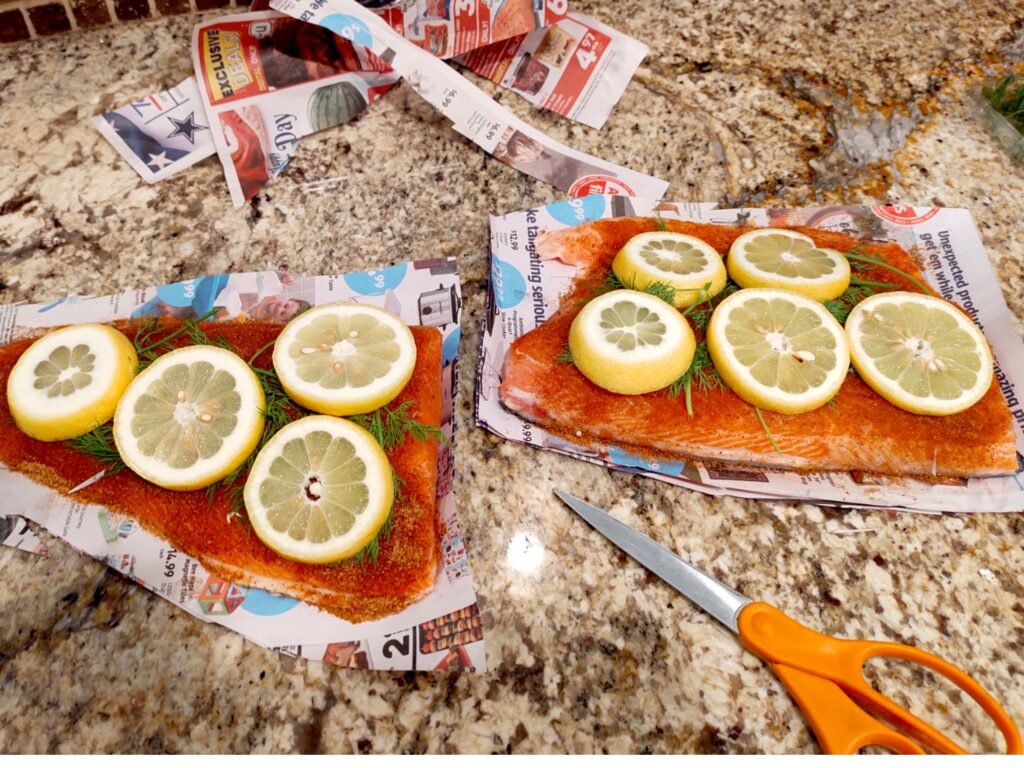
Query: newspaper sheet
x=441, y=631
x=577, y=67
x=473, y=113
x=267, y=80
x=447, y=28
x=161, y=134
x=525, y=290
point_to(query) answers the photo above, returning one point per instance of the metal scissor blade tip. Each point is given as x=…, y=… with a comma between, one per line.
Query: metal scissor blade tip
x=706, y=591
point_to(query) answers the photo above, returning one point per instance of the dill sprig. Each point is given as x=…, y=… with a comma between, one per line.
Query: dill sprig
x=660, y=222
x=1006, y=96
x=699, y=313
x=99, y=443
x=859, y=257
x=565, y=356
x=841, y=306
x=154, y=338
x=389, y=426
x=701, y=372
x=764, y=426
x=278, y=411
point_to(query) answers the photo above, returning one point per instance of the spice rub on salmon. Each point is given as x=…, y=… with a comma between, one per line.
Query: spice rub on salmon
x=859, y=431
x=407, y=564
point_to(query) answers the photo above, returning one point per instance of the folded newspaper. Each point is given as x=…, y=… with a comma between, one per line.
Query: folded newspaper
x=473, y=113
x=525, y=290
x=267, y=80
x=441, y=631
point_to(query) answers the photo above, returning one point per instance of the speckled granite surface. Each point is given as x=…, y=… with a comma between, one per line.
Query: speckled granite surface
x=738, y=102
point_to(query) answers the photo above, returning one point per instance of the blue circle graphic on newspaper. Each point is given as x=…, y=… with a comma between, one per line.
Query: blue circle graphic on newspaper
x=508, y=282
x=376, y=281
x=627, y=459
x=263, y=603
x=348, y=27
x=450, y=348
x=577, y=211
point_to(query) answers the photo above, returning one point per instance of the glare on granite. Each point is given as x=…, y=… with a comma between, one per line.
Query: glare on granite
x=525, y=553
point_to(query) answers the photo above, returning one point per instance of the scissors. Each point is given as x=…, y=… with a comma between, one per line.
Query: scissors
x=822, y=673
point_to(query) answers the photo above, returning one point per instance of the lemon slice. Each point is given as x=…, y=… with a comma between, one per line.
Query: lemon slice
x=919, y=352
x=631, y=342
x=778, y=350
x=680, y=261
x=69, y=381
x=343, y=359
x=780, y=258
x=191, y=418
x=319, y=490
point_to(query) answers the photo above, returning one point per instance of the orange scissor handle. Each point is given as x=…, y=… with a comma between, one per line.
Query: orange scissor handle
x=790, y=646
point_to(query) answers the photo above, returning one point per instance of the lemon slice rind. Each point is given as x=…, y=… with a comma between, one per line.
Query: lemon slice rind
x=236, y=444
x=631, y=351
x=683, y=262
x=879, y=308
x=816, y=327
x=267, y=468
x=297, y=341
x=69, y=381
x=829, y=273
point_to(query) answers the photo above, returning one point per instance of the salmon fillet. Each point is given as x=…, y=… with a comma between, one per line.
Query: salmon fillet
x=406, y=567
x=862, y=432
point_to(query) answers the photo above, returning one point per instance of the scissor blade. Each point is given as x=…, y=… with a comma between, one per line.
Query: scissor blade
x=706, y=591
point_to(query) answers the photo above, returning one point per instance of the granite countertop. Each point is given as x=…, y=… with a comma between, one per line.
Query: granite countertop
x=738, y=102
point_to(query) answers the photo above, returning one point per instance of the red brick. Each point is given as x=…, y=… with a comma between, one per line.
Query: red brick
x=171, y=7
x=13, y=27
x=49, y=19
x=127, y=10
x=90, y=13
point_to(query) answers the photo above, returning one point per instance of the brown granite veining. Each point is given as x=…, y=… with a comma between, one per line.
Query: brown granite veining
x=739, y=102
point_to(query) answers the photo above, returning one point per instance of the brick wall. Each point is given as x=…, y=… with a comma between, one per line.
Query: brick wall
x=26, y=19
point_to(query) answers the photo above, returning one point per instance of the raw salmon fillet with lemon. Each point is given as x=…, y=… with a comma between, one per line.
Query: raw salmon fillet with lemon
x=406, y=567
x=859, y=430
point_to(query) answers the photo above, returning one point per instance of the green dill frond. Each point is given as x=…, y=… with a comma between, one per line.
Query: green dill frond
x=1007, y=98
x=702, y=373
x=153, y=338
x=838, y=309
x=99, y=443
x=764, y=426
x=858, y=257
x=565, y=356
x=663, y=291
x=660, y=222
x=389, y=426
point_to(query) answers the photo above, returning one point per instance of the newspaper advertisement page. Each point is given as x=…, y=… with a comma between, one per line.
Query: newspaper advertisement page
x=267, y=80
x=441, y=631
x=577, y=67
x=161, y=134
x=447, y=28
x=525, y=290
x=473, y=113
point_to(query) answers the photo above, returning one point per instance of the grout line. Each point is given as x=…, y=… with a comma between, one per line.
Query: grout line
x=71, y=15
x=32, y=34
